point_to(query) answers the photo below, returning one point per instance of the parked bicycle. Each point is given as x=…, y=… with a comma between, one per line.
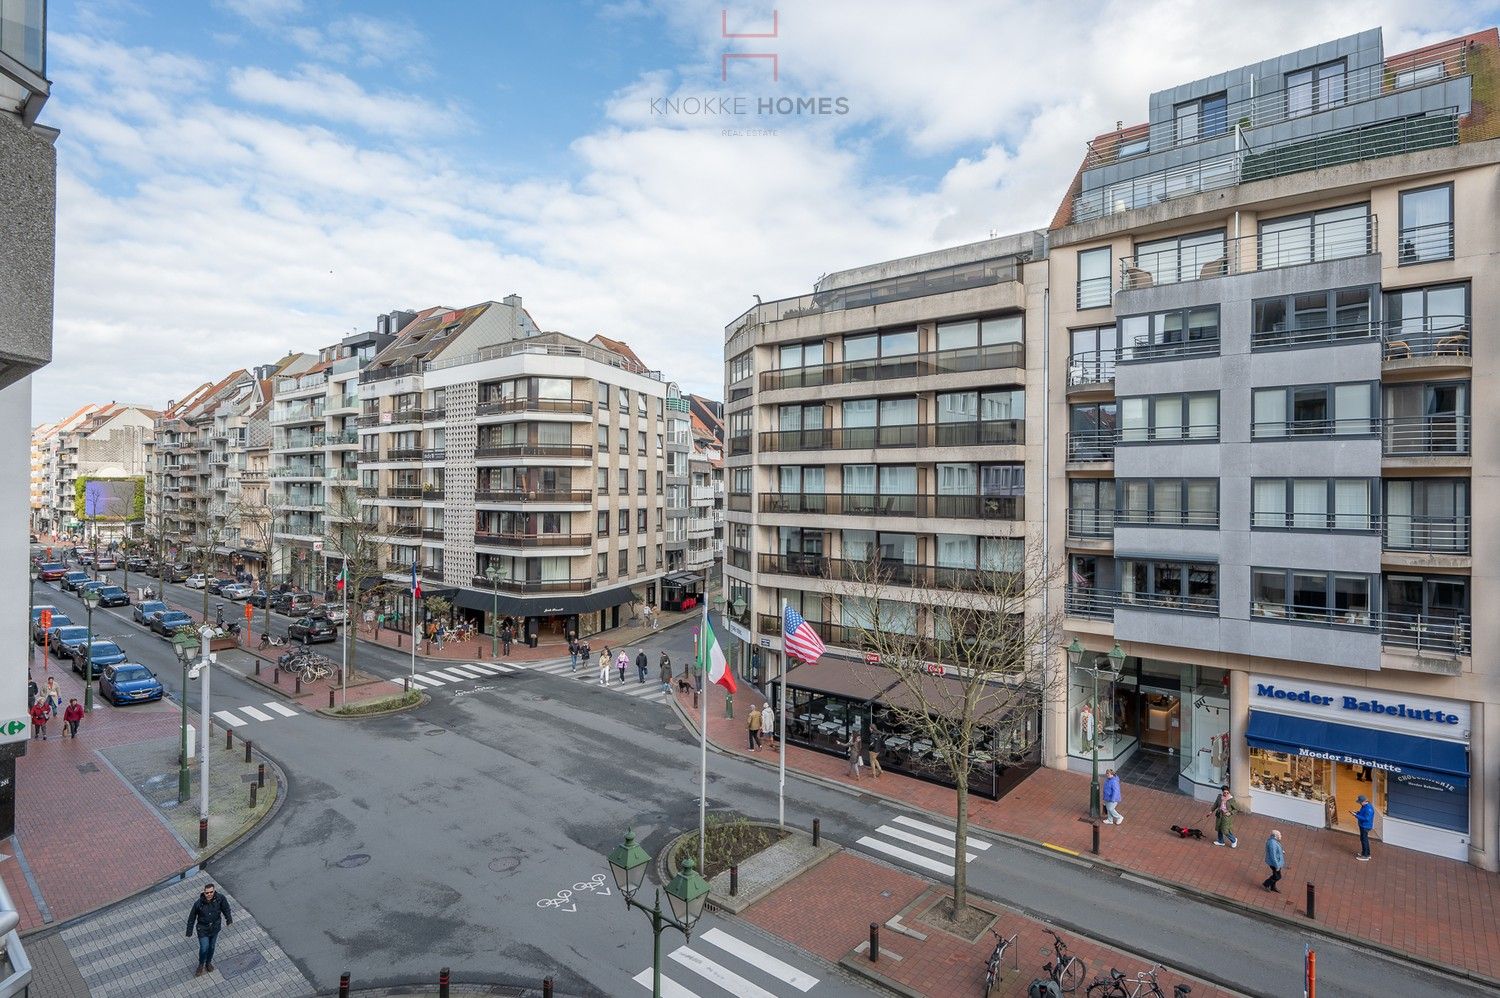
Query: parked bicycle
x=1141, y=985
x=1066, y=970
x=992, y=966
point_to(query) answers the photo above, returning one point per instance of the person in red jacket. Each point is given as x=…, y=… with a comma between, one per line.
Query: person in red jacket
x=39, y=717
x=71, y=716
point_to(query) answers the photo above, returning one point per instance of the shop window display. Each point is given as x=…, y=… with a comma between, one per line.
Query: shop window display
x=1112, y=726
x=1205, y=730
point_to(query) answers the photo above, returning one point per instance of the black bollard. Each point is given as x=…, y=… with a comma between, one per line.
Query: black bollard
x=546, y=987
x=874, y=941
x=734, y=879
x=1311, y=901
x=257, y=666
x=817, y=830
x=443, y=983
x=276, y=678
x=228, y=739
x=344, y=985
x=248, y=743
x=253, y=789
x=299, y=686
x=1096, y=836
x=330, y=698
x=202, y=833
x=260, y=775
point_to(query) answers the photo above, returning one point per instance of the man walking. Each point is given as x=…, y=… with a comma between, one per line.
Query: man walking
x=1365, y=817
x=506, y=634
x=1276, y=860
x=604, y=667
x=767, y=721
x=642, y=663
x=210, y=913
x=71, y=716
x=1110, y=795
x=1223, y=814
x=753, y=726
x=572, y=655
x=665, y=671
x=872, y=753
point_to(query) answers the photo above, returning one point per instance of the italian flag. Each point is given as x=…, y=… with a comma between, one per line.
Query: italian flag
x=713, y=658
x=343, y=574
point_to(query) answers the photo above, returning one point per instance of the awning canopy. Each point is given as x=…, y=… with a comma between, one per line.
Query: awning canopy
x=544, y=604
x=1385, y=750
x=842, y=678
x=682, y=579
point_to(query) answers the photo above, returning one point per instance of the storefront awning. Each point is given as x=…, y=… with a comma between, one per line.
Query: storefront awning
x=546, y=604
x=843, y=678
x=683, y=579
x=1385, y=750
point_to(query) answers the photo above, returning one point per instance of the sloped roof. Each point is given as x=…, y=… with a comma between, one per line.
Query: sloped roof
x=618, y=346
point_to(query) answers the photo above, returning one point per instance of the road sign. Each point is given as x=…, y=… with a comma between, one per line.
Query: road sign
x=46, y=619
x=13, y=727
x=317, y=545
x=249, y=611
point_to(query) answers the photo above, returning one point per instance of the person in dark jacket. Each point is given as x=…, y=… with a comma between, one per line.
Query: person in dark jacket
x=665, y=669
x=210, y=913
x=642, y=663
x=1364, y=817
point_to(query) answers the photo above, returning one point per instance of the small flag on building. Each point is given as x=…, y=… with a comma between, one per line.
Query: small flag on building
x=416, y=584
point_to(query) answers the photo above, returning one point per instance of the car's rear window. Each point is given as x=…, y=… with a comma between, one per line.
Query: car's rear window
x=52, y=566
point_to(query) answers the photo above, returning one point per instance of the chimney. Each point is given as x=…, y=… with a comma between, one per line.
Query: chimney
x=513, y=300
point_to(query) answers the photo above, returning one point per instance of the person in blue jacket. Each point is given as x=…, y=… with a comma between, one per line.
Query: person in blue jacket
x=1110, y=795
x=1276, y=860
x=1365, y=816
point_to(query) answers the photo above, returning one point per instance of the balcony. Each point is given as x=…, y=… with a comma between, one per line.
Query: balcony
x=1425, y=243
x=995, y=357
x=883, y=572
x=966, y=507
x=534, y=450
x=373, y=374
x=1441, y=636
x=503, y=407
x=434, y=454
x=404, y=492
x=432, y=533
x=521, y=496
x=1336, y=240
x=399, y=530
x=1278, y=338
x=993, y=432
x=1208, y=518
x=1091, y=523
x=402, y=454
x=1093, y=602
x=1088, y=446
x=298, y=471
x=1431, y=336
x=1428, y=534
x=739, y=444
x=432, y=573
x=1092, y=368
x=1425, y=436
x=525, y=586
x=434, y=414
x=511, y=540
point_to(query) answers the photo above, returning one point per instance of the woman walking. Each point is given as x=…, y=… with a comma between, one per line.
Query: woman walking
x=856, y=756
x=622, y=662
x=604, y=667
x=665, y=672
x=1223, y=814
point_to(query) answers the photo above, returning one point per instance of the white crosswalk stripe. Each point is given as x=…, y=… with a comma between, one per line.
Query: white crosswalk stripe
x=727, y=965
x=283, y=711
x=452, y=677
x=589, y=674
x=765, y=961
x=230, y=719
x=256, y=713
x=422, y=682
x=464, y=670
x=431, y=679
x=911, y=841
x=231, y=716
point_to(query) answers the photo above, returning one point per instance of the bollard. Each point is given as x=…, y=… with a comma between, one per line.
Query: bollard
x=330, y=698
x=1096, y=836
x=729, y=705
x=228, y=739
x=257, y=666
x=874, y=941
x=260, y=775
x=546, y=987
x=734, y=879
x=817, y=830
x=248, y=744
x=202, y=833
x=299, y=685
x=253, y=794
x=1311, y=901
x=276, y=679
x=695, y=699
x=344, y=985
x=443, y=983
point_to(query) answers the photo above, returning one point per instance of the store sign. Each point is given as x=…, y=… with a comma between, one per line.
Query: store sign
x=1425, y=783
x=739, y=631
x=1381, y=709
x=934, y=668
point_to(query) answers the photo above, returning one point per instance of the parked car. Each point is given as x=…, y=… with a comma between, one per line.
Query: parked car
x=145, y=611
x=85, y=556
x=138, y=563
x=216, y=585
x=103, y=653
x=235, y=591
x=311, y=629
x=108, y=563
x=51, y=571
x=113, y=596
x=173, y=573
x=72, y=580
x=129, y=683
x=292, y=604
x=169, y=622
x=62, y=640
x=91, y=586
x=58, y=620
x=331, y=612
x=36, y=612
x=197, y=581
x=257, y=597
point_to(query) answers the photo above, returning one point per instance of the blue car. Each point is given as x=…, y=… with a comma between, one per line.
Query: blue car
x=62, y=640
x=103, y=653
x=74, y=579
x=145, y=611
x=169, y=622
x=129, y=683
x=113, y=596
x=58, y=620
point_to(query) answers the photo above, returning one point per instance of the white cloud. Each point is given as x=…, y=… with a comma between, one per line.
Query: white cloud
x=314, y=92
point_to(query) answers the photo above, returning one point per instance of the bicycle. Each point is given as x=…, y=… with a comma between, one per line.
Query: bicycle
x=1067, y=971
x=1141, y=985
x=992, y=966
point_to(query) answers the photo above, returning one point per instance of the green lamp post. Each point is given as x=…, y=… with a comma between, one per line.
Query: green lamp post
x=686, y=894
x=1116, y=666
x=495, y=574
x=185, y=645
x=90, y=600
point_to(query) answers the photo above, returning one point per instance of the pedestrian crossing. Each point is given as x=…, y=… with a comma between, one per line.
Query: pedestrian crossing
x=717, y=963
x=921, y=844
x=589, y=673
x=233, y=718
x=461, y=673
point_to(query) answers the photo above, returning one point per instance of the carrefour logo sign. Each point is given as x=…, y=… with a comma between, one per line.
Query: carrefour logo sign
x=1396, y=710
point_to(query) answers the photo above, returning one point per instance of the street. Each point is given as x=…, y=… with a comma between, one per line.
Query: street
x=447, y=836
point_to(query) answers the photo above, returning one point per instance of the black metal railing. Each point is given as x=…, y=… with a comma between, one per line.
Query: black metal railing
x=1428, y=336
x=530, y=540
x=1166, y=517
x=534, y=450
x=1094, y=602
x=992, y=357
x=1446, y=433
x=1434, y=534
x=1085, y=522
x=534, y=585
x=516, y=496
x=1425, y=243
x=1092, y=367
x=1086, y=446
x=1277, y=337
x=850, y=504
x=979, y=433
x=494, y=407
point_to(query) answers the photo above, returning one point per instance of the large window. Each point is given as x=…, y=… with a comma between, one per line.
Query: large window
x=1427, y=612
x=1192, y=416
x=1167, y=502
x=1427, y=514
x=1322, y=597
x=1313, y=411
x=1091, y=431
x=891, y=343
x=1188, y=586
x=1312, y=504
x=1427, y=322
x=801, y=355
x=1202, y=118
x=1180, y=332
x=993, y=491
x=1093, y=278
x=988, y=331
x=1315, y=89
x=1180, y=258
x=1312, y=318
x=1427, y=418
x=992, y=416
x=889, y=422
x=1426, y=224
x=1091, y=507
x=740, y=368
x=1332, y=234
x=1093, y=351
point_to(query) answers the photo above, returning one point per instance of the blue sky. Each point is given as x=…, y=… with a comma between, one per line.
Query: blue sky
x=243, y=178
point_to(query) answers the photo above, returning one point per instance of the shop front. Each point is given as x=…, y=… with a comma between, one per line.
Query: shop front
x=550, y=618
x=1316, y=747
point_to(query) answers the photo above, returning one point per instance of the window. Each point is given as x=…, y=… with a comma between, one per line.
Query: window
x=602, y=480
x=603, y=395
x=1426, y=224
x=1093, y=278
x=1312, y=318
x=660, y=444
x=603, y=437
x=891, y=343
x=1192, y=416
x=1320, y=597
x=1180, y=258
x=1181, y=332
x=1187, y=586
x=1091, y=507
x=1315, y=89
x=1092, y=353
x=623, y=562
x=1425, y=322
x=1424, y=610
x=640, y=559
x=624, y=399
x=739, y=481
x=623, y=516
x=741, y=366
x=970, y=333
x=1422, y=74
x=640, y=521
x=1333, y=234
x=1312, y=504
x=1427, y=514
x=1091, y=431
x=1177, y=502
x=602, y=528
x=640, y=481
x=623, y=481
x=602, y=567
x=1203, y=118
x=1134, y=147
x=992, y=416
x=801, y=355
x=640, y=441
x=1313, y=411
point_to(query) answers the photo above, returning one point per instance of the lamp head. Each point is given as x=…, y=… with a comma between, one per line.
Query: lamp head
x=1117, y=658
x=686, y=893
x=628, y=864
x=1075, y=653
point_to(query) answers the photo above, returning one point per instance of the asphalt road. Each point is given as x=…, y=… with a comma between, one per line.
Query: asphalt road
x=427, y=839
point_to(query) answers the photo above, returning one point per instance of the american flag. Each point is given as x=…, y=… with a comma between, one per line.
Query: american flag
x=799, y=639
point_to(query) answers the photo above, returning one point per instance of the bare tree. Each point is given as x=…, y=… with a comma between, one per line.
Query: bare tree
x=968, y=653
x=353, y=534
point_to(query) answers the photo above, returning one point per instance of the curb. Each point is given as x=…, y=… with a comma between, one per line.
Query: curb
x=1208, y=897
x=421, y=702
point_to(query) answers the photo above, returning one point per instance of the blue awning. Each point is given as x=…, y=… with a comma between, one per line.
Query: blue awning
x=1384, y=750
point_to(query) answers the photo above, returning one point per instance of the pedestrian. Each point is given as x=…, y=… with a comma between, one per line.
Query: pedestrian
x=32, y=689
x=1276, y=860
x=506, y=634
x=856, y=757
x=767, y=722
x=572, y=655
x=531, y=639
x=1110, y=795
x=622, y=662
x=752, y=724
x=1223, y=814
x=39, y=717
x=655, y=619
x=604, y=668
x=872, y=752
x=53, y=695
x=71, y=717
x=665, y=672
x=1365, y=817
x=642, y=663
x=210, y=913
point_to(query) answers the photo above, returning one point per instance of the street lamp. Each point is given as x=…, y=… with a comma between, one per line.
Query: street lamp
x=495, y=573
x=184, y=646
x=205, y=634
x=686, y=895
x=1117, y=663
x=90, y=597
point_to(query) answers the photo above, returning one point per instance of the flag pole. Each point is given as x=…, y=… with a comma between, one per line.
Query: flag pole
x=344, y=672
x=702, y=680
x=781, y=727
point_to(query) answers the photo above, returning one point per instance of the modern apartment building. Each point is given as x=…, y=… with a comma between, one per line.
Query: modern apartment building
x=1273, y=297
x=98, y=441
x=888, y=415
x=678, y=481
x=519, y=470
x=705, y=520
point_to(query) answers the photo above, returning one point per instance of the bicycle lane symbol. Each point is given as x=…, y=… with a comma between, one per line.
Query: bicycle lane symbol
x=566, y=900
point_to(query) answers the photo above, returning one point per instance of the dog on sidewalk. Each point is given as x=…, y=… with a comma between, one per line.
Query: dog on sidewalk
x=1187, y=833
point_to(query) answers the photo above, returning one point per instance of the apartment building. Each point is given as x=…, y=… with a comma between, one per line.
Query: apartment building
x=1273, y=296
x=680, y=448
x=41, y=440
x=882, y=417
x=99, y=441
x=521, y=471
x=705, y=521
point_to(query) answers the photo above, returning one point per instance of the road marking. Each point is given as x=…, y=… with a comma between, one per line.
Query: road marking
x=764, y=961
x=722, y=976
x=256, y=713
x=488, y=670
x=1065, y=852
x=421, y=683
x=432, y=680
x=917, y=840
x=452, y=677
x=907, y=855
x=972, y=843
x=283, y=711
x=228, y=718
x=502, y=667
x=465, y=670
x=669, y=987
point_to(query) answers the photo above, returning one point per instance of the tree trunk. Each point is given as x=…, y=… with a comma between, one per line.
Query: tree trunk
x=960, y=845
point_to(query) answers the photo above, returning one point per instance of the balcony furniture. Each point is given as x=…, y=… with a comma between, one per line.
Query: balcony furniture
x=1214, y=268
x=1397, y=350
x=1456, y=345
x=1135, y=278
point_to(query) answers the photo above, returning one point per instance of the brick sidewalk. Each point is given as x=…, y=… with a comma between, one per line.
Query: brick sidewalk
x=1436, y=909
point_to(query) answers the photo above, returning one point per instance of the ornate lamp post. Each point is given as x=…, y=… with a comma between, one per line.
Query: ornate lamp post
x=1116, y=666
x=185, y=646
x=685, y=894
x=90, y=598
